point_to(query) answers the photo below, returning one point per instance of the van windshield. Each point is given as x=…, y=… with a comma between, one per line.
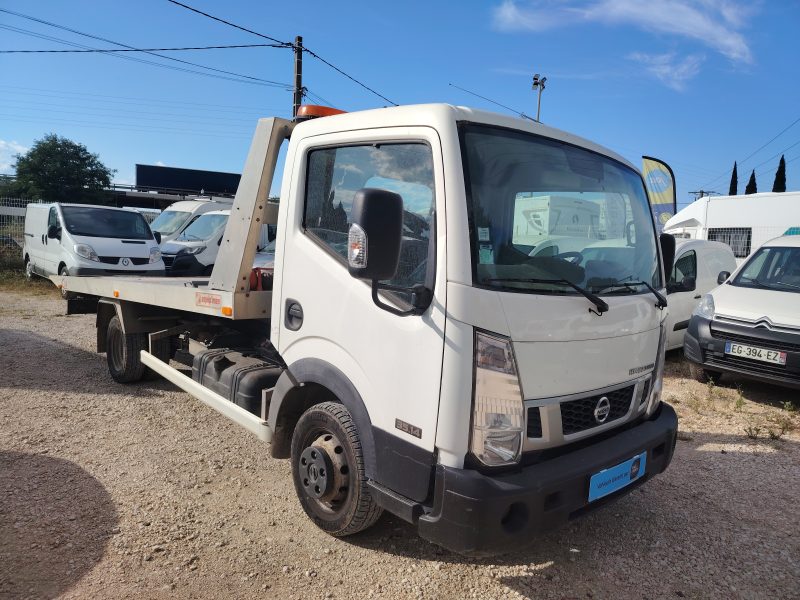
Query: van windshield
x=204, y=227
x=774, y=268
x=105, y=223
x=169, y=221
x=544, y=213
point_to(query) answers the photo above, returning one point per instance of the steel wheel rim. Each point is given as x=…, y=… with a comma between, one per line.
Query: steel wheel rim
x=115, y=349
x=332, y=503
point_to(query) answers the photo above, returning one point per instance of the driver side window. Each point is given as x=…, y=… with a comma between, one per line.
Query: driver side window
x=684, y=273
x=52, y=218
x=336, y=174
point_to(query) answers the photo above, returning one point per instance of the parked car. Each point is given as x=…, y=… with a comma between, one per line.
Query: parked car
x=750, y=325
x=194, y=251
x=81, y=239
x=173, y=221
x=698, y=264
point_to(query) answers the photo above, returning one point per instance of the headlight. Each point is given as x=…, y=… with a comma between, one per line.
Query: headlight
x=86, y=251
x=498, y=413
x=193, y=250
x=706, y=307
x=155, y=254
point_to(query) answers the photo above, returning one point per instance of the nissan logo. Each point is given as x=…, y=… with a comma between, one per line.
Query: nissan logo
x=125, y=262
x=602, y=410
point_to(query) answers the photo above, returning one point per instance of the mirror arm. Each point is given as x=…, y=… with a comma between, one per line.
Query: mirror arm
x=421, y=298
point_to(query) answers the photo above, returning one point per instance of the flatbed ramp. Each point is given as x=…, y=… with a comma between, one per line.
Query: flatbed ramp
x=191, y=294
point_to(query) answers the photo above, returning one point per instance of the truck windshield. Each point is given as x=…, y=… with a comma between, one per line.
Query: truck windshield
x=105, y=222
x=169, y=221
x=773, y=268
x=204, y=227
x=544, y=214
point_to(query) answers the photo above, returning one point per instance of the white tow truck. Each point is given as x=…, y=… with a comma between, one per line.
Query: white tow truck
x=411, y=355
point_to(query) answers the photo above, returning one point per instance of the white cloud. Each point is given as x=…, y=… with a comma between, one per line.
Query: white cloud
x=7, y=152
x=671, y=70
x=160, y=164
x=713, y=23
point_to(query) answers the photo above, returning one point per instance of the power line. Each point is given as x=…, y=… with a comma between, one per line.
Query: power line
x=141, y=49
x=521, y=114
x=172, y=58
x=757, y=150
x=205, y=14
x=305, y=49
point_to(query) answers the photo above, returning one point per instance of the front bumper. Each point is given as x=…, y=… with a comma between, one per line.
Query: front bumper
x=480, y=514
x=704, y=344
x=185, y=265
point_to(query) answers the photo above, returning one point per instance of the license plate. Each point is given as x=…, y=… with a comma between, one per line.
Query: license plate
x=615, y=478
x=762, y=354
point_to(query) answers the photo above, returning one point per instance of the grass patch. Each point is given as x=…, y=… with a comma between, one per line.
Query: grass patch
x=13, y=280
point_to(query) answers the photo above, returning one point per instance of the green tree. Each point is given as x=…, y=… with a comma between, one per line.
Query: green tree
x=780, y=177
x=751, y=185
x=734, y=187
x=56, y=169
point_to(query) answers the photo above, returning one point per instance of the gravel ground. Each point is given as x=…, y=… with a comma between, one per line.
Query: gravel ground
x=140, y=491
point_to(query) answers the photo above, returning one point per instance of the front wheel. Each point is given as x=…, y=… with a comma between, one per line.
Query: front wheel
x=328, y=471
x=28, y=269
x=704, y=375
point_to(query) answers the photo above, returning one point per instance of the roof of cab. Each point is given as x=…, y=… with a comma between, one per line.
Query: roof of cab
x=440, y=117
x=682, y=244
x=791, y=241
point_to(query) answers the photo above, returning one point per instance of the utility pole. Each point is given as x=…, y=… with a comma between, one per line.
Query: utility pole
x=298, y=74
x=538, y=84
x=703, y=193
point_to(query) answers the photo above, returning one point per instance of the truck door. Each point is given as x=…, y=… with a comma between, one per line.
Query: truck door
x=52, y=247
x=393, y=362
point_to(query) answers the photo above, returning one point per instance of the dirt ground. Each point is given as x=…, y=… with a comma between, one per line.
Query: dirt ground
x=110, y=491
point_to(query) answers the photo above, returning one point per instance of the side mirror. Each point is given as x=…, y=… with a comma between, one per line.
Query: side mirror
x=157, y=236
x=723, y=277
x=373, y=245
x=667, y=242
x=54, y=232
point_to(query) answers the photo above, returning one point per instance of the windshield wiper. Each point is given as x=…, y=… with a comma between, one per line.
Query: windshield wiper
x=601, y=304
x=767, y=286
x=661, y=302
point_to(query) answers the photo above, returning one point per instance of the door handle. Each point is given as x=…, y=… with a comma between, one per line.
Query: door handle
x=293, y=318
x=698, y=297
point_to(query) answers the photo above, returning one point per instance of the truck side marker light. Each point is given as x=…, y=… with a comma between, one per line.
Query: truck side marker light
x=227, y=311
x=116, y=293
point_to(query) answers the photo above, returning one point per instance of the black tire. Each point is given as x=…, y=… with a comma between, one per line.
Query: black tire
x=351, y=507
x=28, y=269
x=63, y=272
x=122, y=353
x=704, y=375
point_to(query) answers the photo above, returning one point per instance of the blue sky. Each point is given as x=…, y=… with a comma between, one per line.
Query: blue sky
x=699, y=83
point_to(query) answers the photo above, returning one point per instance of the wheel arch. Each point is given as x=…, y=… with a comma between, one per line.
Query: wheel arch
x=311, y=381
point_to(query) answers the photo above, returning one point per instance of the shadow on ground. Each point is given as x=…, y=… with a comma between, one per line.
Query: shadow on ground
x=55, y=522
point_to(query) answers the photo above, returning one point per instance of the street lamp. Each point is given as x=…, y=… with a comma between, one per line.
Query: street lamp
x=538, y=84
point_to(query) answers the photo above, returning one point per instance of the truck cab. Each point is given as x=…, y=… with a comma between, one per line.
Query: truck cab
x=419, y=355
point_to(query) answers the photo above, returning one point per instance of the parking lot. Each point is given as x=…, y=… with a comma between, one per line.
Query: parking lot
x=123, y=491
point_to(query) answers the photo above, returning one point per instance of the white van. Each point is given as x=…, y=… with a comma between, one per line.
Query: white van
x=750, y=325
x=698, y=268
x=82, y=239
x=173, y=221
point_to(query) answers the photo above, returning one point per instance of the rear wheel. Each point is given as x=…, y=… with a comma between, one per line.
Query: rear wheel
x=328, y=471
x=122, y=352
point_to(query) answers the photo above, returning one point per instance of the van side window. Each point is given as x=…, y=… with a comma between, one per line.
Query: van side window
x=685, y=267
x=52, y=218
x=335, y=174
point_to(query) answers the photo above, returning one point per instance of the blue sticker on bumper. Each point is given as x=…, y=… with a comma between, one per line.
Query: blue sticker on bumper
x=615, y=478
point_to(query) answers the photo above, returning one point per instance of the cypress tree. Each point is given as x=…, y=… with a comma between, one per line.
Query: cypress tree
x=780, y=177
x=734, y=187
x=751, y=185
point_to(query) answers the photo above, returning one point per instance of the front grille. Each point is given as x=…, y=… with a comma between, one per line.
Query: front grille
x=113, y=260
x=755, y=341
x=534, y=423
x=747, y=364
x=578, y=415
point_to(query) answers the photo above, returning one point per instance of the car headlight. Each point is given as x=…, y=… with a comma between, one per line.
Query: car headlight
x=155, y=254
x=498, y=413
x=86, y=251
x=706, y=307
x=193, y=250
